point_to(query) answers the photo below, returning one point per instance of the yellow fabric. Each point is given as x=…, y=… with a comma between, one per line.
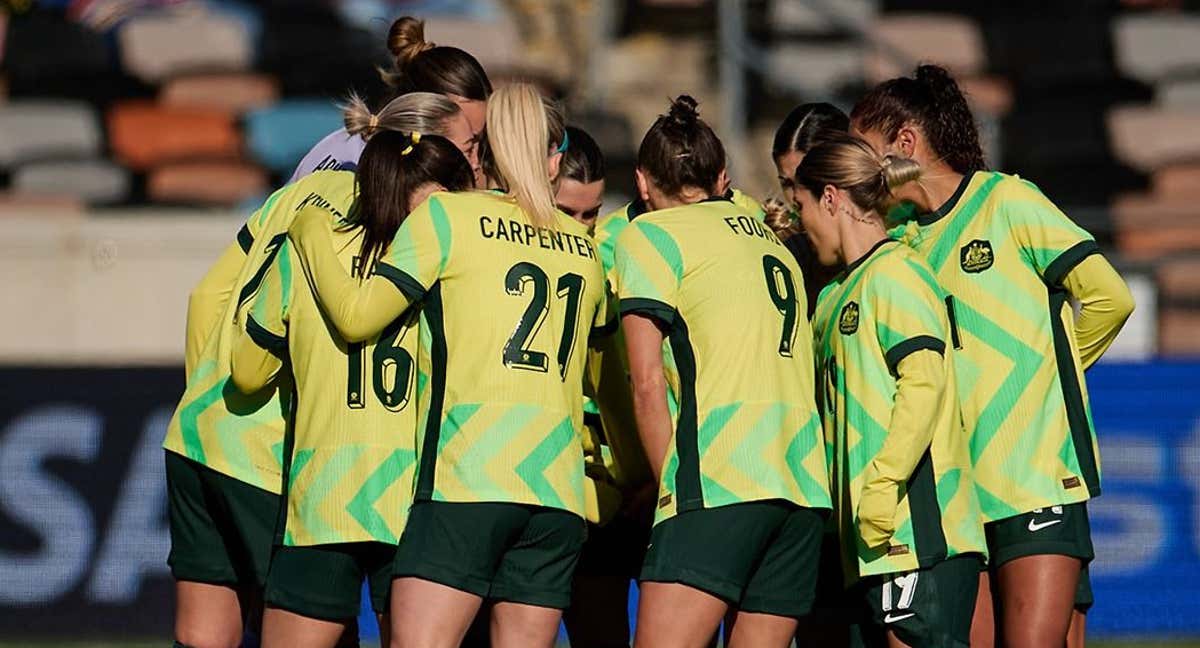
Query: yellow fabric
x=251, y=366
x=354, y=433
x=731, y=299
x=1105, y=304
x=359, y=310
x=506, y=312
x=207, y=302
x=214, y=424
x=920, y=383
x=900, y=465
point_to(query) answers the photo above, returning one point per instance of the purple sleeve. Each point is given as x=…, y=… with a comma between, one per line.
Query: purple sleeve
x=337, y=150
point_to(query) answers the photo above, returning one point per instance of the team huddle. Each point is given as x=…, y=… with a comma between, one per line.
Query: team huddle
x=854, y=417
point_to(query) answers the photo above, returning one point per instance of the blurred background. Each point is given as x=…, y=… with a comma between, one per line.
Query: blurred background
x=136, y=136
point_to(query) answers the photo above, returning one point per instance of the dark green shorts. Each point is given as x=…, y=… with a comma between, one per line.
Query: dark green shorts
x=930, y=607
x=325, y=581
x=617, y=548
x=758, y=556
x=1061, y=530
x=1083, y=592
x=506, y=552
x=222, y=529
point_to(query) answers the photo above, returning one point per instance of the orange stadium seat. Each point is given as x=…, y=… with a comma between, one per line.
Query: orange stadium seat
x=1177, y=332
x=232, y=93
x=91, y=181
x=166, y=43
x=143, y=135
x=1178, y=181
x=44, y=129
x=215, y=183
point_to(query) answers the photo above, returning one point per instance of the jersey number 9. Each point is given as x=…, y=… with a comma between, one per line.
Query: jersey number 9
x=782, y=289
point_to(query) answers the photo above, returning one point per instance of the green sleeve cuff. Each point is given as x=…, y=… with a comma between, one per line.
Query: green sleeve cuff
x=649, y=307
x=275, y=343
x=405, y=283
x=599, y=333
x=910, y=346
x=1067, y=261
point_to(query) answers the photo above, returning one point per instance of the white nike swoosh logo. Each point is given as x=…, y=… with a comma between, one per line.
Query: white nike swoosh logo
x=892, y=619
x=1034, y=526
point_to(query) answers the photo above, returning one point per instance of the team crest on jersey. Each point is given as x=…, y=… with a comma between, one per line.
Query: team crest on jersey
x=848, y=322
x=976, y=256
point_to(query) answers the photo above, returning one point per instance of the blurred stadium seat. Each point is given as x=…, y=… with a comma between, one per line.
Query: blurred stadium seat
x=279, y=135
x=34, y=130
x=144, y=134
x=232, y=93
x=95, y=182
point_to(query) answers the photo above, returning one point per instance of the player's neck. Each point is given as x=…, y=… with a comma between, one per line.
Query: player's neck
x=937, y=187
x=861, y=237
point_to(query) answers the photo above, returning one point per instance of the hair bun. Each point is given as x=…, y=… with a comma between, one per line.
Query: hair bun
x=898, y=171
x=684, y=111
x=406, y=39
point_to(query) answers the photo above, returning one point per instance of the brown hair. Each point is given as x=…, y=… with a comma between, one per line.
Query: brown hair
x=680, y=150
x=851, y=165
x=392, y=166
x=522, y=130
x=806, y=126
x=933, y=101
x=582, y=161
x=421, y=66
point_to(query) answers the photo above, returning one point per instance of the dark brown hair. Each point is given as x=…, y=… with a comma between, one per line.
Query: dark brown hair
x=421, y=66
x=806, y=126
x=933, y=101
x=391, y=168
x=680, y=150
x=850, y=164
x=582, y=161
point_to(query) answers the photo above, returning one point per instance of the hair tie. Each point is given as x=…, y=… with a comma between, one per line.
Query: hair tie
x=372, y=124
x=414, y=139
x=562, y=148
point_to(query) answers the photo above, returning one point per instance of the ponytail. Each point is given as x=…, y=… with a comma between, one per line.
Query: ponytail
x=850, y=164
x=522, y=130
x=933, y=101
x=423, y=112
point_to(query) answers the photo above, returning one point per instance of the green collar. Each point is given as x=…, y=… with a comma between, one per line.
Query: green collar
x=934, y=216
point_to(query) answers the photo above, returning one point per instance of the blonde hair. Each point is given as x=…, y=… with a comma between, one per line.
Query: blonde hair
x=779, y=218
x=422, y=112
x=522, y=129
x=850, y=164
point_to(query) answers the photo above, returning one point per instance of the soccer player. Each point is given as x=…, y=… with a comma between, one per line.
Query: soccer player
x=224, y=449
x=353, y=448
x=510, y=289
x=425, y=112
x=911, y=534
x=804, y=127
x=419, y=66
x=743, y=492
x=1013, y=262
x=580, y=192
x=620, y=490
